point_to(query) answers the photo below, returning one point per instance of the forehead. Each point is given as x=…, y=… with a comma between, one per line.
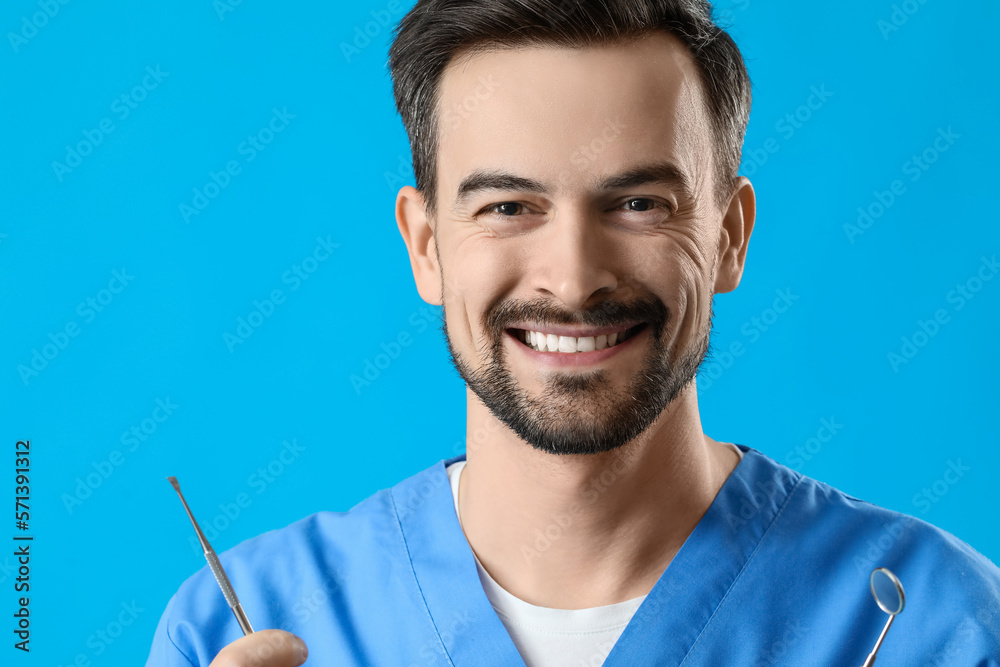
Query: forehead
x=572, y=115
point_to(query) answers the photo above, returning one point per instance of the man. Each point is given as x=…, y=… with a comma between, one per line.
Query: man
x=575, y=221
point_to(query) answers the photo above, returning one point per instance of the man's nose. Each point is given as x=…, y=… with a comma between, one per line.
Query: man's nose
x=574, y=261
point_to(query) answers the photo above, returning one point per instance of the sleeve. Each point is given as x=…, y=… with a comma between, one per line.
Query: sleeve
x=164, y=652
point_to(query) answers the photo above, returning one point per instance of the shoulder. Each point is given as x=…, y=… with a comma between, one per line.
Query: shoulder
x=838, y=538
x=284, y=576
x=878, y=534
x=365, y=531
x=309, y=544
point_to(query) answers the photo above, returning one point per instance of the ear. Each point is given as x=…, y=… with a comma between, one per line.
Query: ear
x=418, y=234
x=734, y=237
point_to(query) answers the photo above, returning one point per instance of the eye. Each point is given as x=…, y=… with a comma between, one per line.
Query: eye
x=640, y=204
x=505, y=209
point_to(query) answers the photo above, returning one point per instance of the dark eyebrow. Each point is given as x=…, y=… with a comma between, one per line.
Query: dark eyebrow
x=495, y=180
x=664, y=173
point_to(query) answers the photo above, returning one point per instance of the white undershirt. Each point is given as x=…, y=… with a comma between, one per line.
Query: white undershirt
x=548, y=637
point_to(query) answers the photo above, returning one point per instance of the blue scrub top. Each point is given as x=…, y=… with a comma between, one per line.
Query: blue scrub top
x=775, y=573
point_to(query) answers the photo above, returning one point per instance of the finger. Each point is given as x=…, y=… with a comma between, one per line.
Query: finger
x=267, y=648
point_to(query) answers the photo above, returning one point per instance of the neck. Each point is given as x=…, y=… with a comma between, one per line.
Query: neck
x=578, y=531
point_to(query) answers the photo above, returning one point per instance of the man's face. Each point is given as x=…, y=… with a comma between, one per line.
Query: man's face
x=577, y=235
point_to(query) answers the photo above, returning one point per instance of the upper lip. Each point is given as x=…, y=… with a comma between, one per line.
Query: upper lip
x=576, y=331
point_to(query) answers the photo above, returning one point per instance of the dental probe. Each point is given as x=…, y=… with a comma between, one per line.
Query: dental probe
x=213, y=562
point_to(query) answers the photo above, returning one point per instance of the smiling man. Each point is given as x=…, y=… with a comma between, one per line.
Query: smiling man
x=577, y=208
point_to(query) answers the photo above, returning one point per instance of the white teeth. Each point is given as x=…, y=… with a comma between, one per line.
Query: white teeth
x=568, y=344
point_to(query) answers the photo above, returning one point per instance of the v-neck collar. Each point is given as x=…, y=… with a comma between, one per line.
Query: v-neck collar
x=668, y=624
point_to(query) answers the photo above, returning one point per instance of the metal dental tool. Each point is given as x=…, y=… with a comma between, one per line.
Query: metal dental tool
x=889, y=596
x=213, y=562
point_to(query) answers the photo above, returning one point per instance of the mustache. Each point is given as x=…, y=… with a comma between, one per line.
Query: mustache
x=505, y=312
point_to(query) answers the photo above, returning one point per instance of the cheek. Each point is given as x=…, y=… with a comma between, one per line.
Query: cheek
x=670, y=265
x=480, y=266
x=673, y=268
x=476, y=272
x=694, y=307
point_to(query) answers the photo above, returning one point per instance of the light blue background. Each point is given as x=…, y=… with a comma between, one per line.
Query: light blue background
x=332, y=172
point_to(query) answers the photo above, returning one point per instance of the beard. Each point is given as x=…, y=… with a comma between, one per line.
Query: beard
x=581, y=412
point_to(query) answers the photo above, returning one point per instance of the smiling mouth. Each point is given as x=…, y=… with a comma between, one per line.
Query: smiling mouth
x=541, y=341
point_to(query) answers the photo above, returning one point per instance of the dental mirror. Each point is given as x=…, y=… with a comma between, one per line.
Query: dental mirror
x=887, y=591
x=889, y=596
